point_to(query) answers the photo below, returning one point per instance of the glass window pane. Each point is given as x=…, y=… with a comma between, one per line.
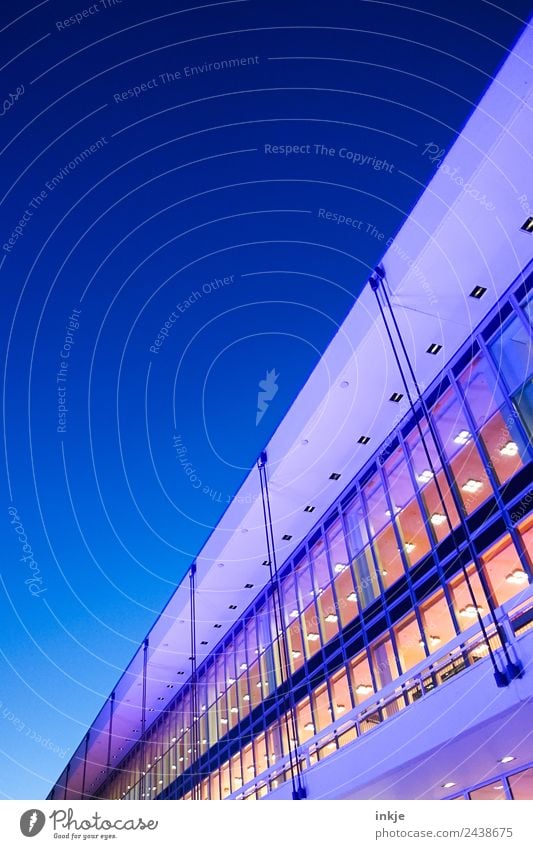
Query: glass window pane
x=504, y=571
x=321, y=708
x=462, y=600
x=388, y=556
x=340, y=692
x=384, y=662
x=338, y=554
x=376, y=505
x=522, y=784
x=346, y=596
x=361, y=678
x=494, y=792
x=405, y=508
x=410, y=643
x=511, y=351
x=355, y=527
x=366, y=577
x=437, y=622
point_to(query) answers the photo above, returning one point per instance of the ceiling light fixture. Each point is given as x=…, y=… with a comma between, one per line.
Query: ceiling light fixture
x=516, y=577
x=308, y=509
x=438, y=519
x=248, y=586
x=478, y=292
x=510, y=449
x=363, y=440
x=396, y=397
x=331, y=617
x=340, y=567
x=351, y=597
x=527, y=226
x=312, y=637
x=424, y=476
x=334, y=476
x=462, y=437
x=434, y=348
x=296, y=653
x=506, y=759
x=472, y=485
x=470, y=611
x=448, y=784
x=364, y=689
x=286, y=537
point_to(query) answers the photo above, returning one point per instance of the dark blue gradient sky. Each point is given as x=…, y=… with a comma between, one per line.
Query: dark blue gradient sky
x=128, y=185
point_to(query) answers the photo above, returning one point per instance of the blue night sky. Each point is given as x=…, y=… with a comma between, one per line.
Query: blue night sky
x=141, y=181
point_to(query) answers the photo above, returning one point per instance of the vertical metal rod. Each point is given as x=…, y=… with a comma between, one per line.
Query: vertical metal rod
x=298, y=790
x=143, y=708
x=194, y=689
x=85, y=765
x=66, y=781
x=500, y=676
x=110, y=734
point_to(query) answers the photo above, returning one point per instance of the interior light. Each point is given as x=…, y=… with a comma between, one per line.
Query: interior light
x=478, y=292
x=527, y=226
x=363, y=440
x=470, y=611
x=233, y=607
x=434, y=348
x=309, y=726
x=424, y=476
x=396, y=397
x=506, y=759
x=409, y=547
x=234, y=710
x=449, y=784
x=341, y=708
x=516, y=577
x=438, y=519
x=364, y=689
x=334, y=476
x=243, y=666
x=472, y=485
x=331, y=617
x=246, y=697
x=351, y=597
x=174, y=739
x=293, y=613
x=258, y=684
x=296, y=653
x=309, y=508
x=340, y=567
x=223, y=720
x=217, y=626
x=510, y=449
x=462, y=437
x=230, y=681
x=286, y=537
x=248, y=586
x=312, y=637
x=434, y=640
x=181, y=759
x=266, y=562
x=160, y=781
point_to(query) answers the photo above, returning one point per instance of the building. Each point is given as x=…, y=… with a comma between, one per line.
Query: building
x=360, y=623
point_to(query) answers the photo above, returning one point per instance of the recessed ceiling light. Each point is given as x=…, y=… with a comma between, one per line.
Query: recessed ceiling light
x=331, y=617
x=506, y=759
x=293, y=614
x=286, y=537
x=234, y=710
x=220, y=565
x=266, y=562
x=438, y=519
x=296, y=653
x=244, y=530
x=478, y=292
x=434, y=348
x=170, y=686
x=344, y=384
x=363, y=440
x=409, y=547
x=434, y=640
x=351, y=597
x=248, y=586
x=334, y=476
x=364, y=689
x=527, y=226
x=180, y=672
x=160, y=698
x=233, y=607
x=203, y=643
x=516, y=577
x=472, y=485
x=309, y=726
x=396, y=397
x=308, y=509
x=498, y=787
x=312, y=637
x=424, y=476
x=246, y=697
x=462, y=437
x=448, y=784
x=223, y=720
x=340, y=567
x=217, y=626
x=510, y=449
x=304, y=442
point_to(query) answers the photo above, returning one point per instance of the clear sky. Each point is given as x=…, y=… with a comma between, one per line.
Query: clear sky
x=165, y=241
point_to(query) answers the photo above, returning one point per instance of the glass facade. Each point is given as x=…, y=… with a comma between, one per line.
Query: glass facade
x=375, y=592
